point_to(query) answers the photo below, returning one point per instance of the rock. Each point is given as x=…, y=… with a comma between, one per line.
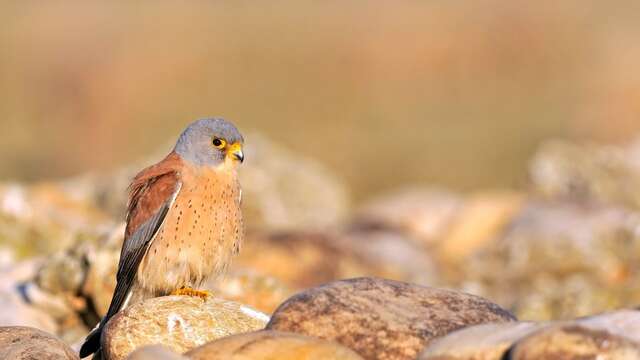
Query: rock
x=394, y=253
x=621, y=323
x=559, y=260
x=588, y=173
x=423, y=214
x=178, y=322
x=154, y=352
x=478, y=223
x=304, y=259
x=15, y=312
x=573, y=341
x=266, y=344
x=259, y=291
x=478, y=342
x=283, y=190
x=42, y=218
x=18, y=342
x=103, y=260
x=382, y=319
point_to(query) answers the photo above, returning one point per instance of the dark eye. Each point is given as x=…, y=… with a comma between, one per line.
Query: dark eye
x=219, y=143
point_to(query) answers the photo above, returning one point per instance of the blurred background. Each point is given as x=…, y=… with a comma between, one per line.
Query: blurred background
x=453, y=93
x=489, y=146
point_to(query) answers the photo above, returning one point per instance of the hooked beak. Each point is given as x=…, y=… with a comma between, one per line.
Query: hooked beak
x=235, y=150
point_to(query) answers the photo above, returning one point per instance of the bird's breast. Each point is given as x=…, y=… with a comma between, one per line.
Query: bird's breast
x=201, y=232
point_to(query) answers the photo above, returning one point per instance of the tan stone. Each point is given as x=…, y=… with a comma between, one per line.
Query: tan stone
x=479, y=342
x=303, y=259
x=178, y=322
x=266, y=344
x=154, y=352
x=574, y=342
x=259, y=291
x=382, y=319
x=25, y=343
x=478, y=223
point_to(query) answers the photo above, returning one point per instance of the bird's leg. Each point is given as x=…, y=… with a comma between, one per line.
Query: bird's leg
x=187, y=291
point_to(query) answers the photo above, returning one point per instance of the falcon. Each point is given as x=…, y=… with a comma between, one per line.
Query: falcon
x=184, y=222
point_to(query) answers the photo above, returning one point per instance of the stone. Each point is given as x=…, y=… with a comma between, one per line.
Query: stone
x=622, y=323
x=559, y=260
x=26, y=343
x=154, y=352
x=574, y=342
x=588, y=173
x=382, y=319
x=302, y=259
x=259, y=291
x=478, y=342
x=425, y=214
x=15, y=312
x=267, y=344
x=177, y=322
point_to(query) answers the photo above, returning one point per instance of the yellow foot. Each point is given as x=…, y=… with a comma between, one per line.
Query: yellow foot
x=187, y=291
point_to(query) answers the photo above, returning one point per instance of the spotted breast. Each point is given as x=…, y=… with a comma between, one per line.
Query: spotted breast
x=199, y=236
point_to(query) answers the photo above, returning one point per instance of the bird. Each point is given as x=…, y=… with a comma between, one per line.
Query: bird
x=183, y=221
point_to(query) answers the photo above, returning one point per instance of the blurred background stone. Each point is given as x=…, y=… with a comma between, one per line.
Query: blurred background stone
x=558, y=260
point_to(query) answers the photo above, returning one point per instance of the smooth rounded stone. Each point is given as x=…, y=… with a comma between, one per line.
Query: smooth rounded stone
x=622, y=323
x=15, y=312
x=22, y=343
x=178, y=322
x=382, y=319
x=425, y=214
x=479, y=342
x=574, y=342
x=559, y=260
x=154, y=352
x=267, y=344
x=259, y=291
x=303, y=259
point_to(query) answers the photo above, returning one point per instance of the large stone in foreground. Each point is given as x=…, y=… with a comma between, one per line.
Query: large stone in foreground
x=267, y=344
x=574, y=342
x=178, y=322
x=382, y=319
x=479, y=342
x=22, y=343
x=154, y=352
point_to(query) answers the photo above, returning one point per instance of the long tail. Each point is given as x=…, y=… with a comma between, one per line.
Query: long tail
x=92, y=343
x=118, y=301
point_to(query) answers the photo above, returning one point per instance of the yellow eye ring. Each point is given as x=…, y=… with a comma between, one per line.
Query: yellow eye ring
x=219, y=143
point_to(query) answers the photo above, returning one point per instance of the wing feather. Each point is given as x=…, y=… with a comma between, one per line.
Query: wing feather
x=151, y=195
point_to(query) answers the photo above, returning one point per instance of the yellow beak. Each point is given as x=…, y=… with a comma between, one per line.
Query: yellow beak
x=235, y=150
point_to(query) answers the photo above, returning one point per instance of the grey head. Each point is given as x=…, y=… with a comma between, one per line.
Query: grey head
x=209, y=142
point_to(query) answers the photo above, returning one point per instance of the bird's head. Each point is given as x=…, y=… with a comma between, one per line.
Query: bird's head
x=211, y=142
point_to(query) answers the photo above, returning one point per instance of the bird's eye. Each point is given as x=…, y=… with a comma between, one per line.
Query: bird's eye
x=219, y=143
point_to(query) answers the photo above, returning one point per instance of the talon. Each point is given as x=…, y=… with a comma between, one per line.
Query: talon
x=187, y=291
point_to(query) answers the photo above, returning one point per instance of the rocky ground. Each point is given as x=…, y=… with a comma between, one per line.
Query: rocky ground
x=553, y=270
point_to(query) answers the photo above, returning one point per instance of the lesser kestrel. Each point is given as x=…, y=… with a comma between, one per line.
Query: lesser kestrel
x=184, y=222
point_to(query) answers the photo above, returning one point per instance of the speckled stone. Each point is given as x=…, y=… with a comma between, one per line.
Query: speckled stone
x=22, y=343
x=178, y=322
x=479, y=342
x=382, y=319
x=266, y=344
x=574, y=342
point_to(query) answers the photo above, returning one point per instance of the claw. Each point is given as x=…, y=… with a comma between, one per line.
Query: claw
x=187, y=291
